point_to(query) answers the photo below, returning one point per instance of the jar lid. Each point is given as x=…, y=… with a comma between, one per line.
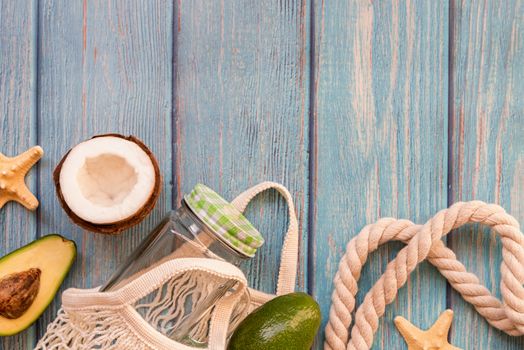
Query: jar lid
x=224, y=219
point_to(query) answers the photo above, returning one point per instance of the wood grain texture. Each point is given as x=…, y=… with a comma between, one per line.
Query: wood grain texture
x=236, y=111
x=241, y=111
x=17, y=126
x=104, y=67
x=381, y=141
x=487, y=151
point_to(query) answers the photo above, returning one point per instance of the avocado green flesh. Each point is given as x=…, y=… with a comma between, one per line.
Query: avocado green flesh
x=287, y=322
x=53, y=255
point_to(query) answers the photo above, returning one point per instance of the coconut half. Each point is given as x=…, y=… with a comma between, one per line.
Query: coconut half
x=108, y=183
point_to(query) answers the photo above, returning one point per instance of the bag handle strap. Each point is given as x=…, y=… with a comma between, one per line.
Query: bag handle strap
x=149, y=281
x=289, y=257
x=221, y=319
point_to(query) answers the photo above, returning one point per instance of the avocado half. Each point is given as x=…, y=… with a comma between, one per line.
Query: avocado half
x=29, y=279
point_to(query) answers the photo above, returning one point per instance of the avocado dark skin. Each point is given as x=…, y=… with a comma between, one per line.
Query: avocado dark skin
x=287, y=322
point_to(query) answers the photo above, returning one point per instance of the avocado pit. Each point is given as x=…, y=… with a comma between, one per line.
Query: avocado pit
x=18, y=291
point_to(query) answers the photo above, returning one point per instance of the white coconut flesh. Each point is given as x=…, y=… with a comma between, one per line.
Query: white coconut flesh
x=107, y=179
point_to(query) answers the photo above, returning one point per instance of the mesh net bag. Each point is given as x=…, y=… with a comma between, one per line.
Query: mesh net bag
x=143, y=312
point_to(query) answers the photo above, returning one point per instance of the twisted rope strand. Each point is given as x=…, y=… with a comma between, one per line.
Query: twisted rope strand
x=424, y=242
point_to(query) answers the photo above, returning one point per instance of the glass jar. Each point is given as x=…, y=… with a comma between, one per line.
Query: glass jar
x=204, y=226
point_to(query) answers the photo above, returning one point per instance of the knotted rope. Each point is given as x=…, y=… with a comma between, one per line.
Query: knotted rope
x=424, y=241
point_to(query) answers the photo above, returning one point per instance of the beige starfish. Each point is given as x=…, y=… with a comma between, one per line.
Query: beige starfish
x=12, y=177
x=434, y=338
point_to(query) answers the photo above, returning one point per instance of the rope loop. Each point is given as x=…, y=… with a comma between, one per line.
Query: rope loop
x=424, y=242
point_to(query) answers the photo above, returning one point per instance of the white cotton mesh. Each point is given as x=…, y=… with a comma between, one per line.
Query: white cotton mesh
x=165, y=308
x=90, y=329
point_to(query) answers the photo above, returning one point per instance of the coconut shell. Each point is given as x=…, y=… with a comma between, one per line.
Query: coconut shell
x=118, y=226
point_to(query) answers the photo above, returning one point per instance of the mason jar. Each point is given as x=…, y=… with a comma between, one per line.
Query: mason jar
x=204, y=226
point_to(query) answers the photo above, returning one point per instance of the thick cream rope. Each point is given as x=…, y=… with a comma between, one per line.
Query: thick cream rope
x=424, y=241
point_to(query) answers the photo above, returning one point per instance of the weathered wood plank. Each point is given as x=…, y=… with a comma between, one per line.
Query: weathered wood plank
x=241, y=111
x=487, y=158
x=104, y=67
x=381, y=140
x=17, y=126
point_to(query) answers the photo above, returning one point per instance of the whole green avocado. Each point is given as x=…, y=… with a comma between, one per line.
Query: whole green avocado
x=288, y=322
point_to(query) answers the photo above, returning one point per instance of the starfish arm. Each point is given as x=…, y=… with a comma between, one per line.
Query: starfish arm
x=26, y=198
x=12, y=177
x=3, y=200
x=410, y=333
x=27, y=159
x=442, y=325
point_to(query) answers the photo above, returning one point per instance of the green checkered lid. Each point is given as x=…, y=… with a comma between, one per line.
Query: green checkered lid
x=224, y=219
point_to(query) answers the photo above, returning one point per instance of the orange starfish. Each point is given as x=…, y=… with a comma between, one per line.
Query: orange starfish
x=12, y=177
x=434, y=338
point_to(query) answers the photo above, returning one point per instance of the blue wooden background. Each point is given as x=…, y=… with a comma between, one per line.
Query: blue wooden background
x=362, y=108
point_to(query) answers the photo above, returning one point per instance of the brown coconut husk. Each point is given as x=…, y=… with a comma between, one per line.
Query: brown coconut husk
x=118, y=226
